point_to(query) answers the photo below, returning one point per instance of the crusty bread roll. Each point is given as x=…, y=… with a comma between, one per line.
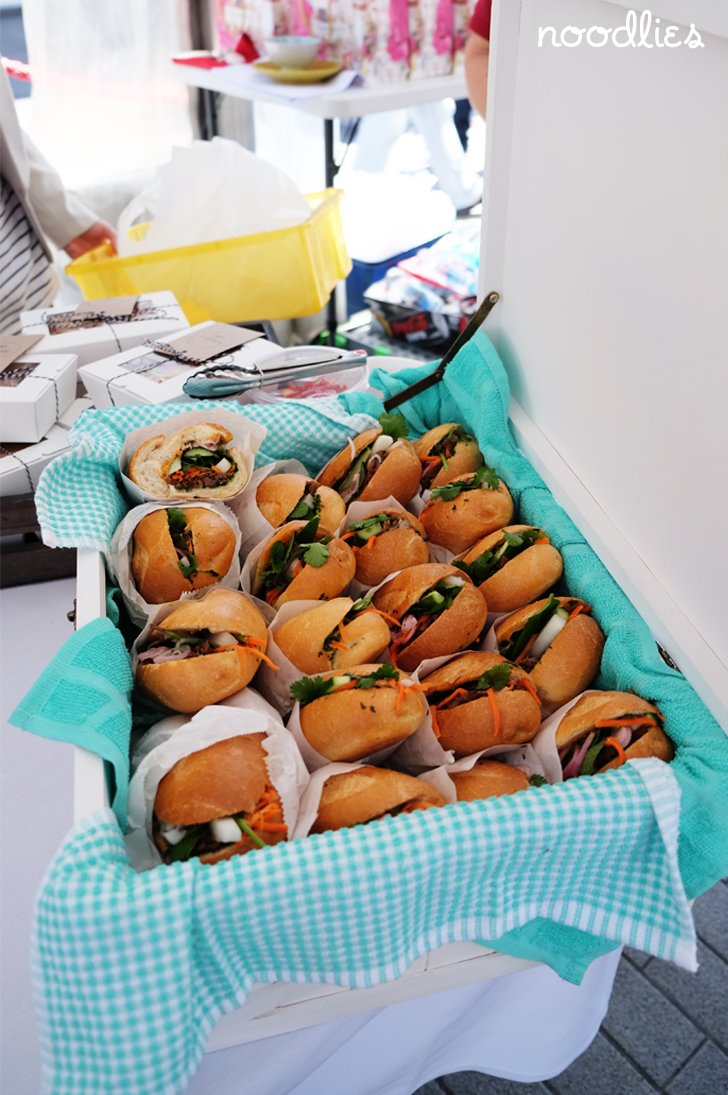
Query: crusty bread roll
x=581, y=719
x=155, y=560
x=464, y=457
x=223, y=780
x=398, y=474
x=456, y=523
x=311, y=583
x=451, y=630
x=570, y=663
x=488, y=779
x=302, y=638
x=391, y=550
x=189, y=684
x=471, y=724
x=367, y=793
x=150, y=464
x=278, y=495
x=350, y=724
x=521, y=579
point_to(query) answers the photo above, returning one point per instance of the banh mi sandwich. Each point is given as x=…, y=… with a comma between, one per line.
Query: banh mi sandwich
x=287, y=497
x=466, y=509
x=368, y=794
x=374, y=465
x=218, y=802
x=346, y=716
x=198, y=461
x=438, y=609
x=557, y=642
x=203, y=651
x=512, y=566
x=300, y=563
x=445, y=453
x=605, y=729
x=180, y=549
x=334, y=635
x=479, y=700
x=491, y=779
x=384, y=542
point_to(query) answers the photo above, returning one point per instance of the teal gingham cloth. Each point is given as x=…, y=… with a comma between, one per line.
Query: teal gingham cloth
x=78, y=500
x=132, y=970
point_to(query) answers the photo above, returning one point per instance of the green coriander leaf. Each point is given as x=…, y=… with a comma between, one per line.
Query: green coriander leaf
x=497, y=678
x=360, y=605
x=383, y=673
x=302, y=511
x=316, y=554
x=176, y=520
x=537, y=781
x=309, y=689
x=393, y=425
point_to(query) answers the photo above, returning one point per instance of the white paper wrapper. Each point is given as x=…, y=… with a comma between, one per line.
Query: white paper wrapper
x=120, y=552
x=544, y=743
x=253, y=525
x=518, y=756
x=423, y=750
x=157, y=614
x=247, y=436
x=314, y=759
x=276, y=686
x=210, y=725
x=309, y=804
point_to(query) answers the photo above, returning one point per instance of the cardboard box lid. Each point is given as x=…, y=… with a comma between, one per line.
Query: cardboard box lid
x=605, y=233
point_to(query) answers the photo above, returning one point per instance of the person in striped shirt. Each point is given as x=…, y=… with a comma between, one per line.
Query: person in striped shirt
x=35, y=210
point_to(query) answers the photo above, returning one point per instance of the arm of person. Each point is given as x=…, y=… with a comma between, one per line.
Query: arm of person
x=65, y=219
x=477, y=55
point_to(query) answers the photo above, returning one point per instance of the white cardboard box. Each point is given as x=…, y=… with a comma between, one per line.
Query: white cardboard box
x=98, y=338
x=21, y=465
x=140, y=376
x=38, y=389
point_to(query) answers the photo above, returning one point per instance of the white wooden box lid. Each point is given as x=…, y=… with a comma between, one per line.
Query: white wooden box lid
x=606, y=234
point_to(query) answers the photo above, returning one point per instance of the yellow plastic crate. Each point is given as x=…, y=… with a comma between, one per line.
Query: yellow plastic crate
x=283, y=274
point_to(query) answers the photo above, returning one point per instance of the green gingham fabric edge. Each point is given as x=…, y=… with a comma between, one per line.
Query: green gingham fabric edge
x=79, y=500
x=175, y=948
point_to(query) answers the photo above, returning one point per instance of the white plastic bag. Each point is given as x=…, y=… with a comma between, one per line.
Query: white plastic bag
x=211, y=190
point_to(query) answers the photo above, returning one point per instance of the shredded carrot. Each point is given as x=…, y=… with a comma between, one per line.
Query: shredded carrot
x=430, y=459
x=524, y=682
x=251, y=641
x=272, y=596
x=349, y=535
x=435, y=725
x=371, y=542
x=258, y=654
x=602, y=723
x=457, y=692
x=621, y=755
x=297, y=568
x=393, y=656
x=384, y=615
x=496, y=713
x=579, y=608
x=345, y=687
x=228, y=646
x=272, y=827
x=524, y=653
x=339, y=646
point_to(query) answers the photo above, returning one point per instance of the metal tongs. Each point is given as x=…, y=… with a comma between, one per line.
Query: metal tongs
x=220, y=381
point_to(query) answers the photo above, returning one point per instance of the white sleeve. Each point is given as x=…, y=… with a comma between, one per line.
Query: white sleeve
x=61, y=215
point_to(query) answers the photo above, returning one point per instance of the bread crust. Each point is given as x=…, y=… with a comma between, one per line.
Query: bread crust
x=150, y=462
x=311, y=583
x=393, y=550
x=488, y=779
x=278, y=495
x=221, y=780
x=398, y=475
x=466, y=458
x=458, y=523
x=522, y=579
x=452, y=630
x=352, y=798
x=579, y=720
x=154, y=562
x=655, y=743
x=190, y=684
x=337, y=466
x=301, y=638
x=350, y=725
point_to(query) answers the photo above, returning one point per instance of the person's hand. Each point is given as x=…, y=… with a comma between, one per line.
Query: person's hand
x=99, y=232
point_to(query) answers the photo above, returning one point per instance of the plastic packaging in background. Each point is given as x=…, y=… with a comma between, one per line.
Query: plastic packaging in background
x=385, y=214
x=311, y=387
x=415, y=312
x=211, y=190
x=451, y=264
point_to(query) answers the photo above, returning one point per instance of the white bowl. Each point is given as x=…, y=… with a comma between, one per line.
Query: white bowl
x=292, y=50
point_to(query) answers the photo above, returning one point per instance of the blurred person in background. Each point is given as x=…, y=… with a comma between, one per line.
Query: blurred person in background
x=477, y=54
x=35, y=208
